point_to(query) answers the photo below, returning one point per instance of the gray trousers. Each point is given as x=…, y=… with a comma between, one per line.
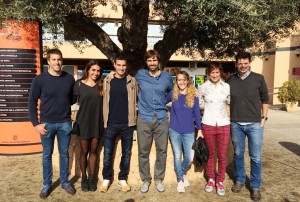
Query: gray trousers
x=146, y=133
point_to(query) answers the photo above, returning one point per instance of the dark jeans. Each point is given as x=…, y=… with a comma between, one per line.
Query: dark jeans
x=109, y=139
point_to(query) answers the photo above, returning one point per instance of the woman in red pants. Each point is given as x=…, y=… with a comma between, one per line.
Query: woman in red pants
x=215, y=95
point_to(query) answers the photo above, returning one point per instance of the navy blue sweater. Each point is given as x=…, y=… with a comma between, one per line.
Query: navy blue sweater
x=55, y=94
x=118, y=101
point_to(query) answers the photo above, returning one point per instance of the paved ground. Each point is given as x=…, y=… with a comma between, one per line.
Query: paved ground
x=20, y=176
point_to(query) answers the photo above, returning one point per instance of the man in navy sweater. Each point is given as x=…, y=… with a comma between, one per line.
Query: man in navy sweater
x=54, y=90
x=248, y=114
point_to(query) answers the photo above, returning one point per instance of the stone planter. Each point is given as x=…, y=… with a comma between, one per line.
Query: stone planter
x=291, y=106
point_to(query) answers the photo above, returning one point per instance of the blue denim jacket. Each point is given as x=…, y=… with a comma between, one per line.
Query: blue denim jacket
x=152, y=94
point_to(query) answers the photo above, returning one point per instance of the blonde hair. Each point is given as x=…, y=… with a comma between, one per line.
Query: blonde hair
x=191, y=90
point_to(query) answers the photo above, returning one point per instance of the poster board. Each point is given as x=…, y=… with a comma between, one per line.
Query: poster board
x=20, y=62
x=199, y=80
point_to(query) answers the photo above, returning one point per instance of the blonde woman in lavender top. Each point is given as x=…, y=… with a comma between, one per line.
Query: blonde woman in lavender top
x=184, y=117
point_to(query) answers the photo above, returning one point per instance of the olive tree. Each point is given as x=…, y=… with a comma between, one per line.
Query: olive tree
x=218, y=26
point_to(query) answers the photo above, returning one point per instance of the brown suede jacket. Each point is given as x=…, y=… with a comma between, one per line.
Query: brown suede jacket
x=132, y=89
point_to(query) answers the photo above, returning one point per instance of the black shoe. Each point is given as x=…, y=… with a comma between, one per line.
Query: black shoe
x=237, y=187
x=92, y=183
x=45, y=192
x=84, y=184
x=255, y=195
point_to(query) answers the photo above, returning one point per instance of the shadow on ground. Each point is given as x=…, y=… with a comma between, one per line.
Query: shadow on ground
x=291, y=146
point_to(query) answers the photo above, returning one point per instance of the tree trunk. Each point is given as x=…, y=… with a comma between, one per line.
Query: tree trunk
x=133, y=33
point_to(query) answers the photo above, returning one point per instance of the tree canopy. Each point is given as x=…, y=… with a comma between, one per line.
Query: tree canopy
x=222, y=27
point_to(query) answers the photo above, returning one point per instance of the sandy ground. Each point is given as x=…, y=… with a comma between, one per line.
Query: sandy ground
x=21, y=176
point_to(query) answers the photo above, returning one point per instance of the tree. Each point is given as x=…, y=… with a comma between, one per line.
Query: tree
x=222, y=27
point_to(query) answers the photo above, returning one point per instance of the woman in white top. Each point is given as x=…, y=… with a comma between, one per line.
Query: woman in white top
x=215, y=95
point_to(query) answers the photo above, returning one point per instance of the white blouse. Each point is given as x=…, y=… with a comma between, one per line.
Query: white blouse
x=215, y=97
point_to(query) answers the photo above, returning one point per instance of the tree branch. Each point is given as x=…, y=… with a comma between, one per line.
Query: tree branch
x=87, y=28
x=174, y=37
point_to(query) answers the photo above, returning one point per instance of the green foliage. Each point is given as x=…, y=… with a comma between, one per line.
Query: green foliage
x=51, y=12
x=289, y=91
x=225, y=27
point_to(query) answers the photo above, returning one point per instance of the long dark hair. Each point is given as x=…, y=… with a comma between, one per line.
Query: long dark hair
x=99, y=82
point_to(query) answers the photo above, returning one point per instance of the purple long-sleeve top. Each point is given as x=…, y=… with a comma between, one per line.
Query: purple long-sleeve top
x=182, y=118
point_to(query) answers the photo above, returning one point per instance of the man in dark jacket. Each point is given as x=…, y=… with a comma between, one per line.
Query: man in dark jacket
x=248, y=113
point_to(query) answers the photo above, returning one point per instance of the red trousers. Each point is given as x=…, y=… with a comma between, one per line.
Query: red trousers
x=216, y=137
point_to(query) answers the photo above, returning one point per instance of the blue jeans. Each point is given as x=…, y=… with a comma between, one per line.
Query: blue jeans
x=109, y=140
x=179, y=141
x=254, y=133
x=63, y=132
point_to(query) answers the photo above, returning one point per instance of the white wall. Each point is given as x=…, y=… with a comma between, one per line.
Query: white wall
x=193, y=72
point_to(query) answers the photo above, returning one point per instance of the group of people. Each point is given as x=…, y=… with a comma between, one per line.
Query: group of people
x=112, y=105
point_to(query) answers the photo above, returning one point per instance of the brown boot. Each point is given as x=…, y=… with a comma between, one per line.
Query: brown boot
x=255, y=195
x=69, y=188
x=237, y=187
x=45, y=192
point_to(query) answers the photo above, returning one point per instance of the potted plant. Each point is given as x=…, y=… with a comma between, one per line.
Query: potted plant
x=289, y=93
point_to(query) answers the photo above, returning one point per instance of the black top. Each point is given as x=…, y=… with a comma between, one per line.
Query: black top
x=247, y=97
x=55, y=94
x=89, y=116
x=118, y=101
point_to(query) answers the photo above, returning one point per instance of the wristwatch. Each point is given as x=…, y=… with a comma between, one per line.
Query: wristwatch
x=264, y=117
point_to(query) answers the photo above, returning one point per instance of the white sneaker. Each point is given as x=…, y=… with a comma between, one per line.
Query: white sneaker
x=145, y=187
x=186, y=181
x=124, y=186
x=104, y=186
x=209, y=187
x=220, y=189
x=180, y=186
x=159, y=186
